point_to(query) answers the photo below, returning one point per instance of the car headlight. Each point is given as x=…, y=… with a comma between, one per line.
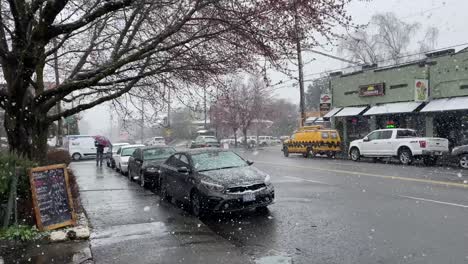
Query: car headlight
x=267, y=180
x=213, y=186
x=151, y=169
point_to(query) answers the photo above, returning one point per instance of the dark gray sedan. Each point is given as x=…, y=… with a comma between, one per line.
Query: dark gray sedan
x=215, y=180
x=143, y=165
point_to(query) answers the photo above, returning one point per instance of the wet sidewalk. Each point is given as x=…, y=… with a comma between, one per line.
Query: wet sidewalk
x=131, y=225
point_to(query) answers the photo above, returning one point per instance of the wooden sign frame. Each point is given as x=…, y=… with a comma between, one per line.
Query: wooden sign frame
x=37, y=211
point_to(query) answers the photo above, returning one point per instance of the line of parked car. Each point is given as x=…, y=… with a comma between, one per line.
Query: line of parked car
x=252, y=140
x=205, y=179
x=401, y=143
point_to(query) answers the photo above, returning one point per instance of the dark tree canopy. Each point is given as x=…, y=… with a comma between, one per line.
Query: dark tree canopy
x=105, y=49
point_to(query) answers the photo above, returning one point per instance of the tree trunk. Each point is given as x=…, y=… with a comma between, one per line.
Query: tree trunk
x=244, y=131
x=26, y=138
x=235, y=137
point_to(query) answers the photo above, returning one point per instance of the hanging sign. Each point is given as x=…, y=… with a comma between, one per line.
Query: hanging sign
x=421, y=90
x=377, y=89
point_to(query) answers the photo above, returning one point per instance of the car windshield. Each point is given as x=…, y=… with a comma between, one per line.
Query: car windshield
x=210, y=140
x=127, y=151
x=217, y=160
x=157, y=153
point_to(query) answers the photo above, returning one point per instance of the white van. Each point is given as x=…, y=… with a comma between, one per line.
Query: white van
x=80, y=146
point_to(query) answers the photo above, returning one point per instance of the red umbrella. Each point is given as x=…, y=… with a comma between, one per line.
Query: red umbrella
x=102, y=140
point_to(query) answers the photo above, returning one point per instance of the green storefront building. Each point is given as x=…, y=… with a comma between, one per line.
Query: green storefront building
x=429, y=95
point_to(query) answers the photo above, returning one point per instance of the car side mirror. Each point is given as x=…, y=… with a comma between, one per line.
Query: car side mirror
x=365, y=139
x=183, y=170
x=249, y=162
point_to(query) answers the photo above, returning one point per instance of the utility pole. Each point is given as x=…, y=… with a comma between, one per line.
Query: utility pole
x=142, y=122
x=59, y=140
x=204, y=103
x=168, y=107
x=300, y=65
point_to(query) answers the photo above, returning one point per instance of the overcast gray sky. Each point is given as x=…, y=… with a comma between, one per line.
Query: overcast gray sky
x=449, y=16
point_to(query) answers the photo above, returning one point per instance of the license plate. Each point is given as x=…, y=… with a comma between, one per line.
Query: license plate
x=248, y=197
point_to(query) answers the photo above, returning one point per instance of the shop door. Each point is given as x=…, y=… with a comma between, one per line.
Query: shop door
x=448, y=125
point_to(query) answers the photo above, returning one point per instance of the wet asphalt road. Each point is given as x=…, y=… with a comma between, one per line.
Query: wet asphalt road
x=339, y=211
x=326, y=211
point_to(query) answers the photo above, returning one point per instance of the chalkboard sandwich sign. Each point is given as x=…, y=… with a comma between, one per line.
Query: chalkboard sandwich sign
x=52, y=200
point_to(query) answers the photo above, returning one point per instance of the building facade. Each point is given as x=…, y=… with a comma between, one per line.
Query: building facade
x=429, y=95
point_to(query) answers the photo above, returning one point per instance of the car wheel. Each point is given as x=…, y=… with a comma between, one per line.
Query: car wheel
x=286, y=152
x=76, y=156
x=195, y=204
x=405, y=156
x=355, y=154
x=331, y=155
x=464, y=161
x=430, y=161
x=262, y=209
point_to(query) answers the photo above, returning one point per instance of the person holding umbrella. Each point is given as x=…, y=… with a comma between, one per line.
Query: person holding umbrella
x=100, y=142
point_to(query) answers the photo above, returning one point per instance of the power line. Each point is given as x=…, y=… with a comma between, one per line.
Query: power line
x=381, y=61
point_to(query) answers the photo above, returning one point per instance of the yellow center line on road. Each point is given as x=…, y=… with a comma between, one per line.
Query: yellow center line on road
x=451, y=184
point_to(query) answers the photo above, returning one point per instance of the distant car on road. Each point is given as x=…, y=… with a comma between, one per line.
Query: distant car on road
x=461, y=152
x=215, y=180
x=205, y=142
x=112, y=152
x=143, y=165
x=123, y=155
x=156, y=141
x=401, y=143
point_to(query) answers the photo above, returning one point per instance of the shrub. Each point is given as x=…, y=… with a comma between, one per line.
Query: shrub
x=58, y=156
x=8, y=162
x=19, y=232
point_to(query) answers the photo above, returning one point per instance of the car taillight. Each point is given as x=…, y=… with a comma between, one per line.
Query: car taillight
x=422, y=144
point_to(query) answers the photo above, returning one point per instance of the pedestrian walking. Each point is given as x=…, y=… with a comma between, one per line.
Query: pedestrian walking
x=99, y=153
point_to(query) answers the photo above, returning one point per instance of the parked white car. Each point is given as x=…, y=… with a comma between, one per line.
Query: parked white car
x=156, y=141
x=401, y=143
x=122, y=156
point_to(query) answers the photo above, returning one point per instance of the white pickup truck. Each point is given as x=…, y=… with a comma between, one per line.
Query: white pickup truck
x=401, y=143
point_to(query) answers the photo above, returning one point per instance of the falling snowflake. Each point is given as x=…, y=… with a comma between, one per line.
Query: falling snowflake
x=146, y=208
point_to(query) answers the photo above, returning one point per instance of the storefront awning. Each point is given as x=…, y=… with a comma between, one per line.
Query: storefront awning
x=351, y=111
x=393, y=108
x=447, y=104
x=332, y=112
